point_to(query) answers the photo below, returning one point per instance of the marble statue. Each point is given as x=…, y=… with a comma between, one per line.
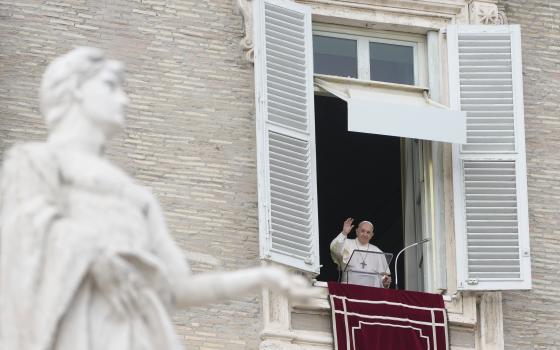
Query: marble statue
x=86, y=260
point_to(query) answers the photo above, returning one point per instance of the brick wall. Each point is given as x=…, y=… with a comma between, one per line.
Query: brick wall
x=190, y=136
x=532, y=319
x=190, y=133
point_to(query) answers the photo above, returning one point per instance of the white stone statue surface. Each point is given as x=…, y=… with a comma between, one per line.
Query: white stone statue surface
x=86, y=261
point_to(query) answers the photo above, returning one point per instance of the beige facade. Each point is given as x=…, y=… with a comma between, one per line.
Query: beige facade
x=191, y=137
x=190, y=133
x=531, y=319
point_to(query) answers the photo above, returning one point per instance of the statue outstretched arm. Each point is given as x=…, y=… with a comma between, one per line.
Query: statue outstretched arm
x=207, y=288
x=200, y=289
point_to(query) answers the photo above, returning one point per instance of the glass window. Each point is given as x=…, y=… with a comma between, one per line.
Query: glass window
x=335, y=56
x=391, y=63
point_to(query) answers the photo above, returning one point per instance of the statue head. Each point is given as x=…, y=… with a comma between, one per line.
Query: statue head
x=83, y=83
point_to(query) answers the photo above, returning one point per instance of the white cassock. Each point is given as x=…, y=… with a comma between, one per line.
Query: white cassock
x=363, y=268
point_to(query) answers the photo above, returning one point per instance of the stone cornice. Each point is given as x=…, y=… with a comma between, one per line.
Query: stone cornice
x=420, y=14
x=424, y=14
x=397, y=15
x=436, y=8
x=410, y=14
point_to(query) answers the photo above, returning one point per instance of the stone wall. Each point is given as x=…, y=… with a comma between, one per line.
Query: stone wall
x=532, y=319
x=191, y=137
x=190, y=133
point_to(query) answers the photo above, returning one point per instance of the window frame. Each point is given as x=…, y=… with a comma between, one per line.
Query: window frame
x=428, y=225
x=364, y=37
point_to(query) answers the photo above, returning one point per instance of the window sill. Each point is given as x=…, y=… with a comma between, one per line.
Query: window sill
x=369, y=83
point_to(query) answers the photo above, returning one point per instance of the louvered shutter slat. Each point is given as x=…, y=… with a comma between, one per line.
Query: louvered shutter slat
x=284, y=43
x=283, y=79
x=275, y=47
x=287, y=122
x=494, y=52
x=287, y=231
x=285, y=89
x=489, y=170
x=498, y=179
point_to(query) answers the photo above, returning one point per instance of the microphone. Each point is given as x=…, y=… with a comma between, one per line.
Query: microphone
x=397, y=259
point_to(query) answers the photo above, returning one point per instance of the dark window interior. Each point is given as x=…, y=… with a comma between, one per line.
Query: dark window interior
x=359, y=176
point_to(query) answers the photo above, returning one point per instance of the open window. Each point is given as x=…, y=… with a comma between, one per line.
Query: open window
x=290, y=137
x=370, y=176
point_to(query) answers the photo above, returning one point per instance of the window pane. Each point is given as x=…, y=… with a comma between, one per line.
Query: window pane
x=335, y=56
x=391, y=63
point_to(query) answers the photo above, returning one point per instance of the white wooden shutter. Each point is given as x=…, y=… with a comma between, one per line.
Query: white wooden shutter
x=491, y=220
x=285, y=134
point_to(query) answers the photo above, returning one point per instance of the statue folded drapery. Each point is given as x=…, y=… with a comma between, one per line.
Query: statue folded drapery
x=86, y=261
x=64, y=213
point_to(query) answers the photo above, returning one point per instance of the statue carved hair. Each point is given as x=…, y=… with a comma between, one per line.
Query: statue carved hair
x=63, y=78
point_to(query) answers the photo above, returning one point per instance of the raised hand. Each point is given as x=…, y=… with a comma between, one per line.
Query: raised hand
x=347, y=227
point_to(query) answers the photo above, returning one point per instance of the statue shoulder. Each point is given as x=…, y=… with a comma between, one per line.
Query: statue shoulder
x=28, y=169
x=33, y=156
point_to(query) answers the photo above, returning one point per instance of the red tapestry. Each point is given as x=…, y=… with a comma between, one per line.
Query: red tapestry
x=367, y=318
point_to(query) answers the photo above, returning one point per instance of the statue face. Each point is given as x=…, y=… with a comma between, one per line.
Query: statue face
x=103, y=100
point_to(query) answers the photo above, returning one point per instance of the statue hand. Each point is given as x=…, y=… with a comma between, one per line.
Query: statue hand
x=293, y=286
x=114, y=278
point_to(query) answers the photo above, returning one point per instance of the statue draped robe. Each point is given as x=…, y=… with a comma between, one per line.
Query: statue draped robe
x=61, y=211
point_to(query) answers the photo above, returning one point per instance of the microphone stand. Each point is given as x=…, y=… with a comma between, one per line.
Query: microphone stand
x=397, y=259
